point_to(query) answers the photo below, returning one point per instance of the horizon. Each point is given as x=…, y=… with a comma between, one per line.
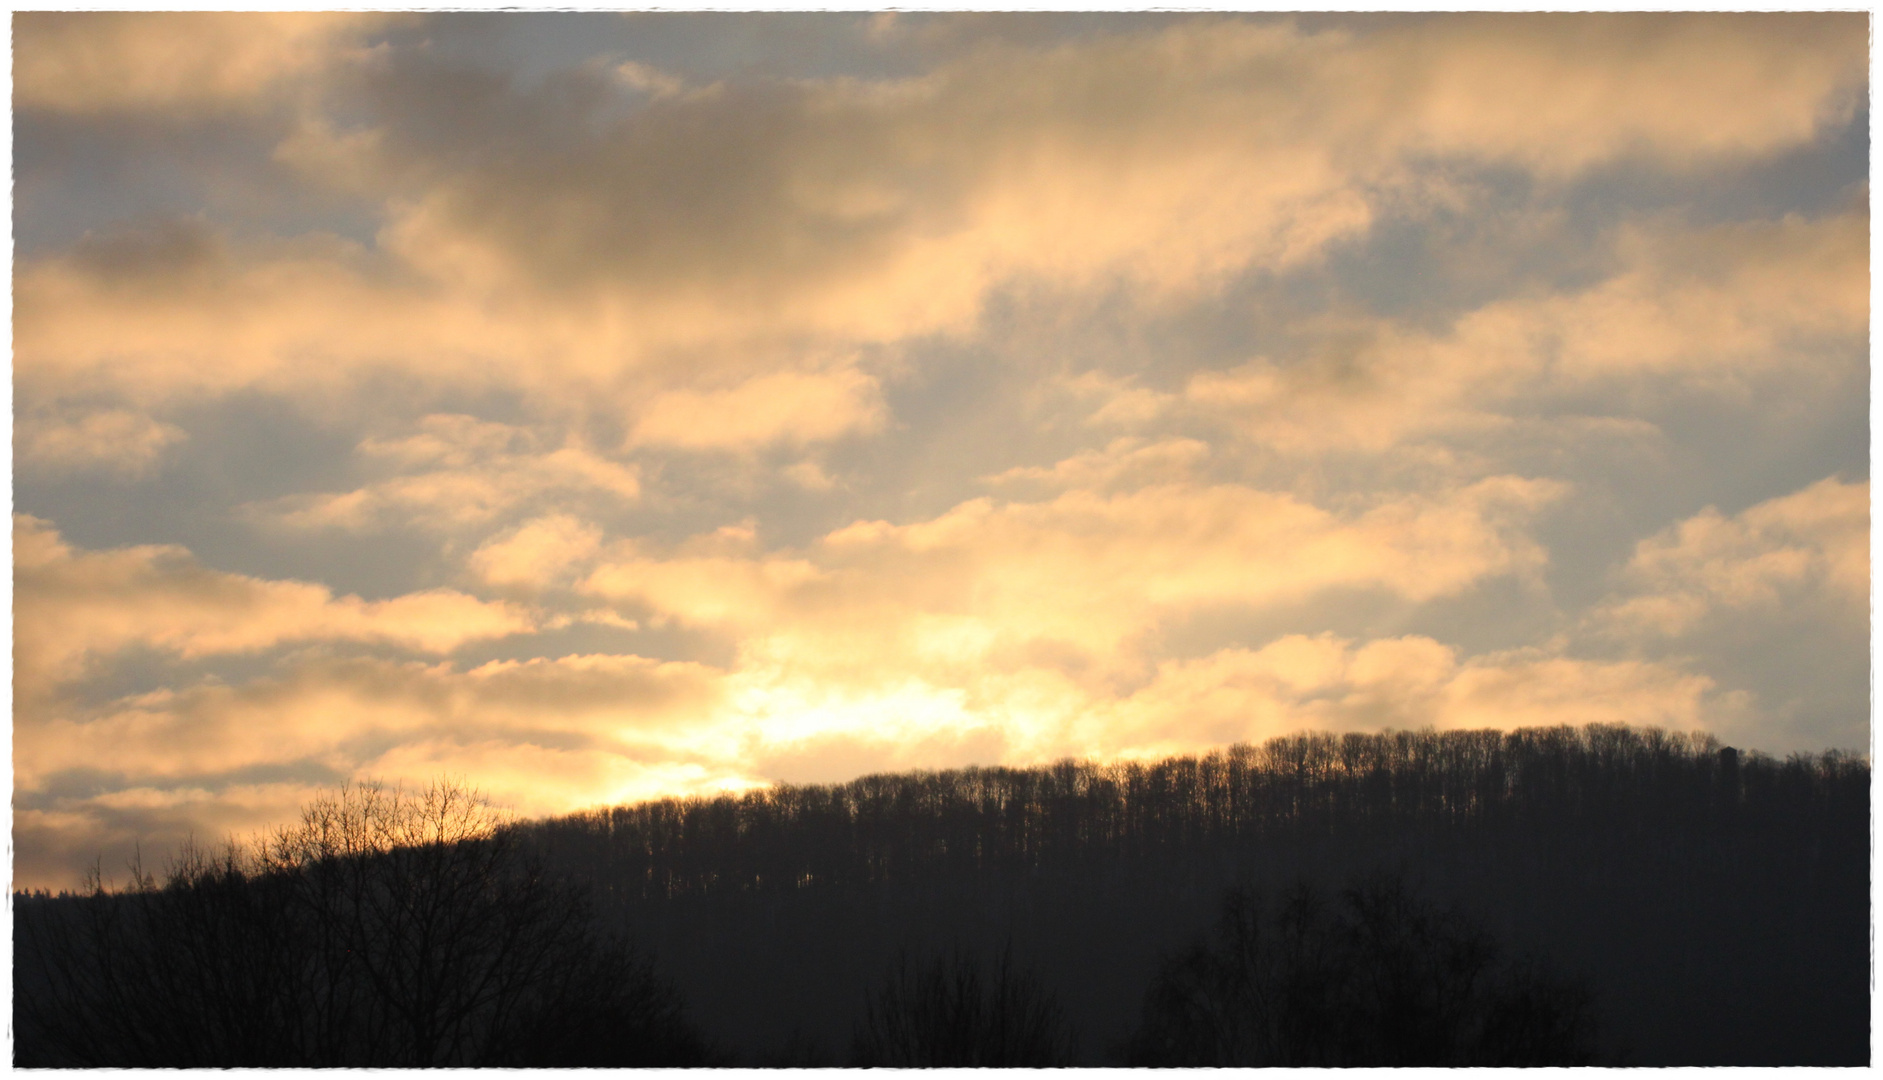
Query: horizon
x=606, y=407
x=1688, y=741
x=244, y=848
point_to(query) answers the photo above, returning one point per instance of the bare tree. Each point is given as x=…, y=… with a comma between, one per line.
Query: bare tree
x=1378, y=979
x=384, y=929
x=949, y=1014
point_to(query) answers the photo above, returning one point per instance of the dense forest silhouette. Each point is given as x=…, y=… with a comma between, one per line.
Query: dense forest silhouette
x=1542, y=896
x=949, y=1013
x=1376, y=977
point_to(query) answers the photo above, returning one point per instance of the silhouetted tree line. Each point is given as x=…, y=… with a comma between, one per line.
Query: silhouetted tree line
x=962, y=821
x=384, y=929
x=1714, y=900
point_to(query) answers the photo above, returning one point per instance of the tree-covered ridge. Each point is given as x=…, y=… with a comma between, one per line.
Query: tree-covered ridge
x=414, y=928
x=888, y=827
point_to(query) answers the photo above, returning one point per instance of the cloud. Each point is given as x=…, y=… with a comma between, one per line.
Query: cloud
x=1525, y=688
x=1811, y=547
x=1168, y=157
x=1017, y=630
x=1715, y=309
x=1090, y=570
x=953, y=640
x=787, y=407
x=1120, y=403
x=347, y=712
x=58, y=839
x=458, y=471
x=539, y=736
x=1559, y=93
x=550, y=735
x=992, y=631
x=170, y=62
x=1711, y=303
x=176, y=309
x=680, y=253
x=118, y=441
x=72, y=607
x=1124, y=462
x=542, y=552
x=648, y=79
x=1104, y=280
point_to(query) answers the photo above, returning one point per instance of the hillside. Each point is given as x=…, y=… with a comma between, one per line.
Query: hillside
x=1712, y=903
x=1716, y=900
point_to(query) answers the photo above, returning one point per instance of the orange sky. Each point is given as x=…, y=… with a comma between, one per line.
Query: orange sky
x=598, y=407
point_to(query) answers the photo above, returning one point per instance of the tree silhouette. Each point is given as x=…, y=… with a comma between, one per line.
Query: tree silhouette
x=384, y=929
x=1553, y=783
x=947, y=1013
x=1379, y=978
x=1719, y=899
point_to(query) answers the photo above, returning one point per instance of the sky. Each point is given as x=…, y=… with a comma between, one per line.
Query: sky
x=596, y=407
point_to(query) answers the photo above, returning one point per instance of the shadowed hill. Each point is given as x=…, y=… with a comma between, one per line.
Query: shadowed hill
x=1715, y=899
x=1693, y=904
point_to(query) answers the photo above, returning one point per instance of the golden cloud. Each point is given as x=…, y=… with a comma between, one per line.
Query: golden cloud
x=112, y=440
x=880, y=647
x=458, y=471
x=1126, y=462
x=73, y=606
x=95, y=62
x=1812, y=546
x=655, y=267
x=347, y=714
x=1712, y=308
x=551, y=735
x=1090, y=571
x=782, y=407
x=58, y=840
x=541, y=553
x=1562, y=92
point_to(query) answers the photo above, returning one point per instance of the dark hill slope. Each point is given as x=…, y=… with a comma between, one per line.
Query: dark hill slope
x=1715, y=901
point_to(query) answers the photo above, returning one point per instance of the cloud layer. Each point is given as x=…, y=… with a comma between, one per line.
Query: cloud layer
x=604, y=414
